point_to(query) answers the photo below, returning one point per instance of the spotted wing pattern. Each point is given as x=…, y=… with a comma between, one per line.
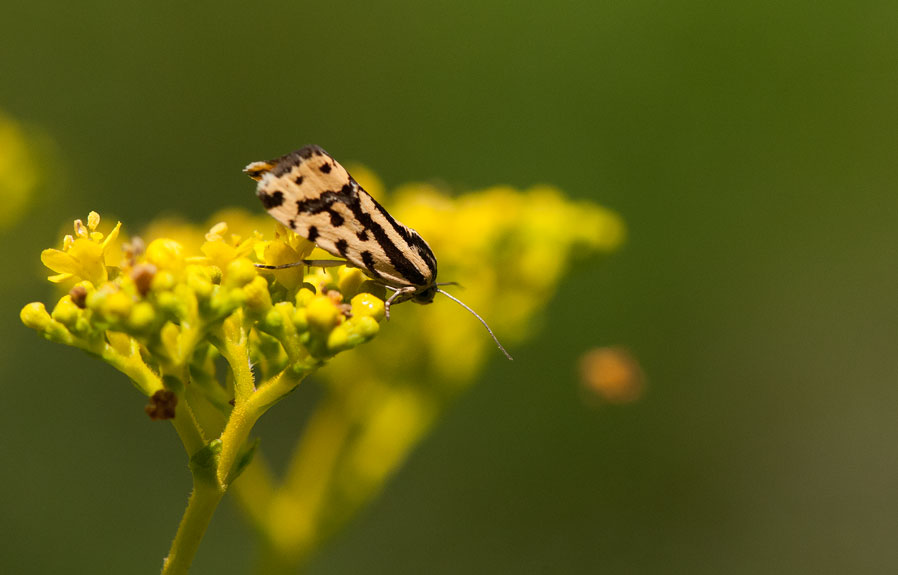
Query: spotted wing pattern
x=312, y=194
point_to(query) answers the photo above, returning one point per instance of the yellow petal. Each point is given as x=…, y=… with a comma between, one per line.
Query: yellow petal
x=112, y=236
x=245, y=247
x=59, y=261
x=219, y=253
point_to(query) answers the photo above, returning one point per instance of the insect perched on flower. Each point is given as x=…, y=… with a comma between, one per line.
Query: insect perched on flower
x=312, y=194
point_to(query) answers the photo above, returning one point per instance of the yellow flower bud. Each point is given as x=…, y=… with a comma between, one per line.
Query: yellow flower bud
x=338, y=339
x=349, y=279
x=169, y=302
x=322, y=313
x=239, y=273
x=117, y=304
x=367, y=305
x=304, y=296
x=142, y=316
x=300, y=320
x=35, y=316
x=169, y=336
x=166, y=254
x=274, y=319
x=258, y=299
x=199, y=282
x=365, y=326
x=164, y=280
x=66, y=312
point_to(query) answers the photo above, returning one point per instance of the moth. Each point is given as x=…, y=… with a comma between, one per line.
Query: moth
x=309, y=192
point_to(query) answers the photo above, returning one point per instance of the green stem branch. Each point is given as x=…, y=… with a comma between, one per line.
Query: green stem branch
x=200, y=508
x=188, y=429
x=245, y=415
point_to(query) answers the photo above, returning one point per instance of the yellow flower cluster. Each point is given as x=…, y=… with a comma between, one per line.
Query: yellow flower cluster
x=164, y=313
x=167, y=309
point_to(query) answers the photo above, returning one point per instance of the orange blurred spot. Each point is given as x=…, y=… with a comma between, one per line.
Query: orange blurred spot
x=611, y=374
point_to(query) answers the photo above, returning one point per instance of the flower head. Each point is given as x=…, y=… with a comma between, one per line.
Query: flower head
x=83, y=255
x=166, y=305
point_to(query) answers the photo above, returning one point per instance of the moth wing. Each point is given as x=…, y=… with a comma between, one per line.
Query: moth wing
x=313, y=194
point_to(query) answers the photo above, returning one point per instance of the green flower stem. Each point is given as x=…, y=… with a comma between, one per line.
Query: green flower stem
x=188, y=429
x=250, y=404
x=207, y=494
x=144, y=378
x=200, y=508
x=277, y=387
x=233, y=438
x=245, y=415
x=232, y=341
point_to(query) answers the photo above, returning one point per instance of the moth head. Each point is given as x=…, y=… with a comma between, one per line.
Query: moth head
x=425, y=295
x=258, y=169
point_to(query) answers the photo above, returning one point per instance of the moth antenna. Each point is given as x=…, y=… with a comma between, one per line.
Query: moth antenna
x=474, y=313
x=456, y=284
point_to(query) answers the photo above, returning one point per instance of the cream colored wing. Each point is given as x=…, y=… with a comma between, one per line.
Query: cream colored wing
x=312, y=194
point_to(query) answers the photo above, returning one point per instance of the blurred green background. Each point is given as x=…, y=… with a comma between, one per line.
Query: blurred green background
x=751, y=148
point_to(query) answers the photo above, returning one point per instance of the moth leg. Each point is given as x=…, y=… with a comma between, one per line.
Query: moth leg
x=326, y=263
x=308, y=263
x=397, y=293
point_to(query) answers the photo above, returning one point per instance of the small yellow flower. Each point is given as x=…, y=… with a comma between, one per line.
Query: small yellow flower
x=166, y=254
x=222, y=248
x=82, y=257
